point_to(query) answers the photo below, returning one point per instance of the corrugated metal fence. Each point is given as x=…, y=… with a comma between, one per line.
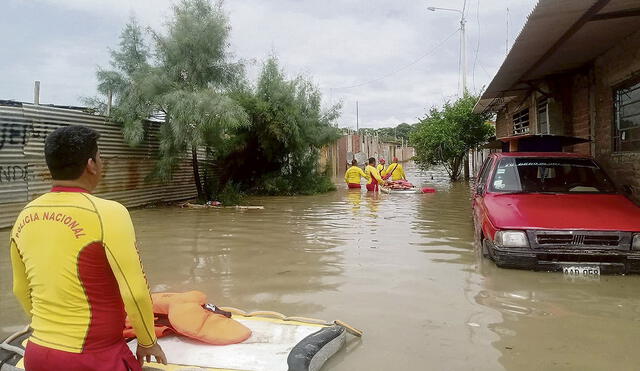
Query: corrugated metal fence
x=24, y=174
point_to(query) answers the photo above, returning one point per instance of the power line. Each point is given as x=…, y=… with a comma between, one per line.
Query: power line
x=431, y=51
x=506, y=48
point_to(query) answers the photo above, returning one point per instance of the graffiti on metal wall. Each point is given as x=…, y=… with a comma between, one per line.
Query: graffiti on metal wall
x=15, y=173
x=18, y=133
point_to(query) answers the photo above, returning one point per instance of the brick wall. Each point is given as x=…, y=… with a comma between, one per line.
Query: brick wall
x=586, y=109
x=503, y=124
x=580, y=113
x=342, y=155
x=504, y=118
x=356, y=143
x=611, y=69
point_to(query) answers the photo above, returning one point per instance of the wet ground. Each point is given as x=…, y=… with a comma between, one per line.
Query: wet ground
x=401, y=267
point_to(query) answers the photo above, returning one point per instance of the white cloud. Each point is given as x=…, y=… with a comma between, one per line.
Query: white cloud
x=336, y=42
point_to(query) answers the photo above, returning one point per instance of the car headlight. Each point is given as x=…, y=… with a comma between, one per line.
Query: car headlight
x=635, y=242
x=511, y=239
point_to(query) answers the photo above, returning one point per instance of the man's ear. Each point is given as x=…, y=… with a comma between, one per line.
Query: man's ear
x=92, y=166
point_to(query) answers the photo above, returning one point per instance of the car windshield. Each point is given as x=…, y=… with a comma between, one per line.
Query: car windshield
x=550, y=175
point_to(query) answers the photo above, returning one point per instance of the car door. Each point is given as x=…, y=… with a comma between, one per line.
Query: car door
x=479, y=191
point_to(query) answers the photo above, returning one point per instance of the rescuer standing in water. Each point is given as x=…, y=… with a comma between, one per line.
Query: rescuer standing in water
x=380, y=166
x=76, y=269
x=353, y=174
x=395, y=171
x=373, y=175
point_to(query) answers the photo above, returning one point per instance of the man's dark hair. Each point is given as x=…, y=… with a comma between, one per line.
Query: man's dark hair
x=354, y=162
x=67, y=150
x=372, y=160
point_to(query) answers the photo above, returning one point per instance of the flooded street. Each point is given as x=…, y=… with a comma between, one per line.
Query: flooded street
x=403, y=268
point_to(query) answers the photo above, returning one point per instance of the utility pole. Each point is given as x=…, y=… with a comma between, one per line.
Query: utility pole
x=109, y=102
x=463, y=56
x=463, y=43
x=357, y=118
x=36, y=93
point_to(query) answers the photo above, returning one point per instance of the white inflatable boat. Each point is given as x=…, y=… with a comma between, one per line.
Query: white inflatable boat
x=277, y=343
x=388, y=190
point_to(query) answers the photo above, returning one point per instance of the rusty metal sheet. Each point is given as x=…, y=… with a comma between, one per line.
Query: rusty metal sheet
x=24, y=174
x=13, y=165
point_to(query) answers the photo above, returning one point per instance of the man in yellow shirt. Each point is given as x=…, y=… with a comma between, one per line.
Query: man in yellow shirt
x=395, y=171
x=380, y=166
x=76, y=269
x=373, y=176
x=353, y=175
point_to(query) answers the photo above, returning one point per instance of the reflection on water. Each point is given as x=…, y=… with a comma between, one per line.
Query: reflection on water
x=551, y=322
x=401, y=267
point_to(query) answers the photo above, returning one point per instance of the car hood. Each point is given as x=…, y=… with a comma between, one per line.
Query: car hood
x=604, y=212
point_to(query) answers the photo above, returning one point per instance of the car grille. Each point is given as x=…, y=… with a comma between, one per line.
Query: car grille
x=577, y=239
x=580, y=239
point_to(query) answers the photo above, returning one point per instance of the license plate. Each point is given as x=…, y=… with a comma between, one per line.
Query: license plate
x=581, y=270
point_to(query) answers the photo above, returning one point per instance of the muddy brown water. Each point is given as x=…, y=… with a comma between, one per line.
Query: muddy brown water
x=403, y=268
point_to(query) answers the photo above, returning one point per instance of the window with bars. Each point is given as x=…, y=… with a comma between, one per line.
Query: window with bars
x=626, y=131
x=543, y=116
x=521, y=122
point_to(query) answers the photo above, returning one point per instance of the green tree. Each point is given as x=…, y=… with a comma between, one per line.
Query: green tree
x=278, y=153
x=188, y=84
x=116, y=83
x=445, y=135
x=403, y=131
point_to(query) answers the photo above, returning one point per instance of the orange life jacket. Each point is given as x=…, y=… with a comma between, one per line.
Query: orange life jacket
x=187, y=317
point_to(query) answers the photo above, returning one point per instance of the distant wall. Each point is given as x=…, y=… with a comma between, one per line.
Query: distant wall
x=24, y=174
x=340, y=154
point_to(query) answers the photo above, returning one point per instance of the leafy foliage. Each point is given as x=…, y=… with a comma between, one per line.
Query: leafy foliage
x=278, y=153
x=398, y=133
x=187, y=83
x=445, y=135
x=264, y=138
x=126, y=62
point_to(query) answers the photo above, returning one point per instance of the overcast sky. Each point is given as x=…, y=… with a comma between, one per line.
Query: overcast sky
x=374, y=45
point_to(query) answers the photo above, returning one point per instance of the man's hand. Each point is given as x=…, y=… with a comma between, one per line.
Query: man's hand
x=146, y=353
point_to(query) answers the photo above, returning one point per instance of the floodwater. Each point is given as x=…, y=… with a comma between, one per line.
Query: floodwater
x=403, y=268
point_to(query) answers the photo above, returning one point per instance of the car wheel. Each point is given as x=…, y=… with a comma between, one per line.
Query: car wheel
x=485, y=249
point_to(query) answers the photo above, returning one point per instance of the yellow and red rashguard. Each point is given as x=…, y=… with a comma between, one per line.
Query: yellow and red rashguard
x=395, y=171
x=352, y=176
x=374, y=178
x=76, y=270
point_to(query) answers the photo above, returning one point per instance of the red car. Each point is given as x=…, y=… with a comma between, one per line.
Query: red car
x=554, y=212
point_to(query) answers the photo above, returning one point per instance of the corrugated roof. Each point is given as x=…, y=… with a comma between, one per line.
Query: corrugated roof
x=560, y=36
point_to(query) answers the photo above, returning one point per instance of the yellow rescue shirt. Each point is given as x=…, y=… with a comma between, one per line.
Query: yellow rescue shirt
x=76, y=270
x=396, y=171
x=380, y=168
x=353, y=175
x=372, y=173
